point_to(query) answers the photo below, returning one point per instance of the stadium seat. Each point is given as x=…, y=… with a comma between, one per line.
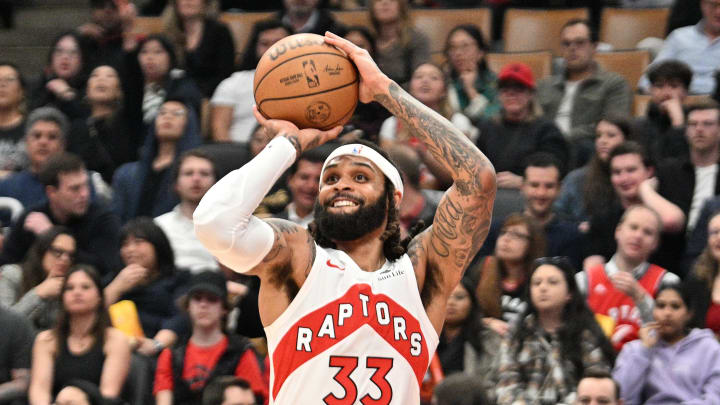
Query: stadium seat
x=241, y=25
x=437, y=23
x=623, y=28
x=147, y=25
x=537, y=30
x=629, y=64
x=354, y=17
x=540, y=62
x=641, y=102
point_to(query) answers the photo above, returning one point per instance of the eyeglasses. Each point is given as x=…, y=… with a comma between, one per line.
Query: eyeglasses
x=464, y=47
x=713, y=5
x=515, y=235
x=577, y=42
x=8, y=80
x=66, y=52
x=60, y=252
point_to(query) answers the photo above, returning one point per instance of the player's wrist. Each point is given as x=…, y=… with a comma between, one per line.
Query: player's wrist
x=287, y=144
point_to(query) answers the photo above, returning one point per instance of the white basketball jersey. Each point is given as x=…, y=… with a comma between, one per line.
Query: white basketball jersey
x=351, y=336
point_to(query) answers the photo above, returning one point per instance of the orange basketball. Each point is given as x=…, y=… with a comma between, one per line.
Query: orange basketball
x=303, y=80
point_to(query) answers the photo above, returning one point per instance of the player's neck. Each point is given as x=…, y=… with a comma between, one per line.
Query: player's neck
x=367, y=251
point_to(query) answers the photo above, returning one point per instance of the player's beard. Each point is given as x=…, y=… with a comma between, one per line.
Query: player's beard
x=347, y=227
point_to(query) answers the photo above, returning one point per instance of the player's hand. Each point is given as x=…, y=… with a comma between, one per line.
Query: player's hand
x=302, y=139
x=626, y=283
x=372, y=80
x=649, y=334
x=37, y=223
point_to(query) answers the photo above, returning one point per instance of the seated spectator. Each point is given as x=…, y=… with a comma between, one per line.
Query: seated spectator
x=518, y=132
x=623, y=288
x=104, y=33
x=308, y=16
x=32, y=287
x=143, y=188
x=95, y=228
x=16, y=343
x=501, y=278
x=203, y=44
x=555, y=343
x=670, y=363
x=152, y=77
x=401, y=49
x=695, y=45
x=583, y=92
x=460, y=389
x=193, y=176
x=150, y=280
x=228, y=390
x=231, y=113
x=662, y=129
x=472, y=89
x=183, y=371
x=103, y=139
x=587, y=190
x=79, y=392
x=62, y=82
x=82, y=346
x=12, y=118
x=598, y=387
x=704, y=283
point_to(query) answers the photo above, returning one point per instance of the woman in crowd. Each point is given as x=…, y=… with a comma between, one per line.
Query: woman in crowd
x=400, y=49
x=473, y=86
x=32, y=288
x=82, y=346
x=150, y=280
x=587, y=190
x=670, y=363
x=501, y=278
x=12, y=118
x=62, y=83
x=144, y=187
x=704, y=281
x=555, y=342
x=231, y=115
x=203, y=45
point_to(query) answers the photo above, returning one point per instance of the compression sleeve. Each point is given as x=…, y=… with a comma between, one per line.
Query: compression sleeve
x=223, y=220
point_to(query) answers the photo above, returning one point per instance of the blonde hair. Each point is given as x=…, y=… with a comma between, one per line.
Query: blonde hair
x=173, y=27
x=405, y=20
x=445, y=109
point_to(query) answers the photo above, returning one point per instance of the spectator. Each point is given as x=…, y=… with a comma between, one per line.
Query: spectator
x=231, y=114
x=662, y=129
x=670, y=363
x=82, y=345
x=62, y=83
x=150, y=280
x=554, y=344
x=228, y=390
x=15, y=343
x=501, y=278
x=584, y=92
x=704, y=283
x=104, y=33
x=203, y=45
x=308, y=16
x=94, y=227
x=460, y=389
x=697, y=46
x=400, y=48
x=104, y=139
x=623, y=288
x=79, y=392
x=598, y=387
x=32, y=287
x=183, y=371
x=473, y=85
x=143, y=188
x=195, y=173
x=12, y=118
x=152, y=78
x=587, y=190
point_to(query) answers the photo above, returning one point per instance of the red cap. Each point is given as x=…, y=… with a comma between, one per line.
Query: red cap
x=517, y=72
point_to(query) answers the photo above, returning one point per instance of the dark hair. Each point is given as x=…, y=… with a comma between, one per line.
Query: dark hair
x=82, y=44
x=102, y=4
x=146, y=229
x=314, y=155
x=165, y=43
x=196, y=153
x=32, y=266
x=631, y=148
x=408, y=163
x=393, y=246
x=544, y=160
x=708, y=104
x=682, y=290
x=602, y=375
x=102, y=320
x=250, y=57
x=536, y=243
x=214, y=392
x=61, y=163
x=461, y=389
x=365, y=32
x=670, y=70
x=577, y=318
x=472, y=326
x=706, y=267
x=477, y=35
x=591, y=28
x=21, y=78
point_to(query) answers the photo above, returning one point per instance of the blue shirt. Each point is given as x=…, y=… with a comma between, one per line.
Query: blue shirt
x=693, y=46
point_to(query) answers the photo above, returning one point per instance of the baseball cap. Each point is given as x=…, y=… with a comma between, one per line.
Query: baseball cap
x=517, y=72
x=210, y=282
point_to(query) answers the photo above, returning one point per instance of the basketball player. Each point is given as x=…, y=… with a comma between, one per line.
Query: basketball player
x=351, y=317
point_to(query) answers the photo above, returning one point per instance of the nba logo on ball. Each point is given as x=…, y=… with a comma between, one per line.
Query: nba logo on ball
x=303, y=80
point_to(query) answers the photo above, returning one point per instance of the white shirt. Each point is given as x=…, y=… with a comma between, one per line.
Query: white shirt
x=237, y=92
x=704, y=189
x=294, y=217
x=562, y=119
x=190, y=254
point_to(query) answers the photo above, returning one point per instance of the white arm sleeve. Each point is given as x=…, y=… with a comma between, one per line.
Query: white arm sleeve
x=223, y=220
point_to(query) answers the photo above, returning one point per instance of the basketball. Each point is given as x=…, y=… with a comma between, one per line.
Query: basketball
x=303, y=80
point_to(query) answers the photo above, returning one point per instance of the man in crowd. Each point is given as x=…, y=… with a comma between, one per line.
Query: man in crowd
x=307, y=16
x=228, y=390
x=598, y=388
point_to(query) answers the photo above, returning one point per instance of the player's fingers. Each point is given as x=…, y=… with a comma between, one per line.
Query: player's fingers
x=340, y=42
x=259, y=117
x=331, y=134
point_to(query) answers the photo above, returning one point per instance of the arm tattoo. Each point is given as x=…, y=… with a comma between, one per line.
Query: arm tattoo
x=295, y=143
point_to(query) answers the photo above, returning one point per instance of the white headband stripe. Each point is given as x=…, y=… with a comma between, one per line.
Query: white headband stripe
x=356, y=149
